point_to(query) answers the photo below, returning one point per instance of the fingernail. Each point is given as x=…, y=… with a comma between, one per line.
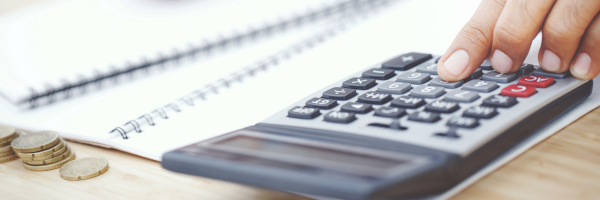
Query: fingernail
x=501, y=62
x=550, y=61
x=582, y=64
x=457, y=62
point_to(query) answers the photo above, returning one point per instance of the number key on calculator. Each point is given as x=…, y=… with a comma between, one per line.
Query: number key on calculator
x=392, y=130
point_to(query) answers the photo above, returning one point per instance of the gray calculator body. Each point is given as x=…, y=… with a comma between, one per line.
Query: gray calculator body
x=376, y=153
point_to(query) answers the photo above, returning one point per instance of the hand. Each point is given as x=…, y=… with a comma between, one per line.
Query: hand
x=502, y=30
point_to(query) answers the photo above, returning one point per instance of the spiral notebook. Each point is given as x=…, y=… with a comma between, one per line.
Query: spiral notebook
x=197, y=100
x=107, y=43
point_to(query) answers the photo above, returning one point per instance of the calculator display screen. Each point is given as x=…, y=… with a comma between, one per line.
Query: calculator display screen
x=298, y=150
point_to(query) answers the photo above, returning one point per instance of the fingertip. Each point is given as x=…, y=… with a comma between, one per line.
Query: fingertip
x=581, y=67
x=454, y=66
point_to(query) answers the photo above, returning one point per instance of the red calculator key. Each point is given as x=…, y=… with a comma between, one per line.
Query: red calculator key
x=518, y=90
x=536, y=81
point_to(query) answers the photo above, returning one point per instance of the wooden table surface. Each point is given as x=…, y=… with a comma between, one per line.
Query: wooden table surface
x=565, y=166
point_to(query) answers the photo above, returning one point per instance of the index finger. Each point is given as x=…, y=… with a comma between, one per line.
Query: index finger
x=472, y=44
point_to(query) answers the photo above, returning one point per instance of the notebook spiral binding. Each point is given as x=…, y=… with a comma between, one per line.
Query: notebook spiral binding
x=362, y=9
x=50, y=93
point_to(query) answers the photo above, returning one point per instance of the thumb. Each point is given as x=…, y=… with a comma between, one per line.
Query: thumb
x=472, y=44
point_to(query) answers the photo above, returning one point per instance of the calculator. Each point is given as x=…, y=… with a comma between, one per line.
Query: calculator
x=392, y=130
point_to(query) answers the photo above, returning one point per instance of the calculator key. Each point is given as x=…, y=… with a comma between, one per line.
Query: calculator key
x=408, y=102
x=374, y=97
x=486, y=65
x=303, y=112
x=476, y=74
x=390, y=112
x=442, y=106
x=525, y=69
x=357, y=107
x=439, y=82
x=406, y=61
x=542, y=72
x=339, y=117
x=480, y=112
x=463, y=122
x=414, y=77
x=430, y=68
x=463, y=96
x=480, y=86
x=339, y=93
x=427, y=91
x=424, y=116
x=381, y=74
x=498, y=77
x=437, y=59
x=499, y=101
x=321, y=103
x=518, y=90
x=359, y=83
x=536, y=81
x=394, y=87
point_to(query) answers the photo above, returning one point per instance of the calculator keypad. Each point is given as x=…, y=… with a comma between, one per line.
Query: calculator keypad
x=376, y=99
x=406, y=61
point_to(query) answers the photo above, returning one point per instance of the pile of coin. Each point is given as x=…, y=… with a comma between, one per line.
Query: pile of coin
x=7, y=135
x=42, y=151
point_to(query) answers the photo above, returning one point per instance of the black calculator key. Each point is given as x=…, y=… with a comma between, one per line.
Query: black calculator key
x=406, y=61
x=442, y=106
x=498, y=77
x=439, y=82
x=480, y=112
x=414, y=77
x=542, y=72
x=394, y=87
x=357, y=107
x=380, y=74
x=321, y=103
x=408, y=102
x=463, y=96
x=390, y=112
x=525, y=69
x=499, y=101
x=339, y=117
x=437, y=59
x=476, y=74
x=426, y=91
x=486, y=65
x=480, y=86
x=374, y=97
x=424, y=116
x=463, y=122
x=303, y=112
x=359, y=83
x=339, y=93
x=428, y=67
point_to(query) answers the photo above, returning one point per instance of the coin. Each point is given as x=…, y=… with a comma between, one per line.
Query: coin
x=33, y=142
x=7, y=133
x=46, y=157
x=84, y=168
x=52, y=166
x=42, y=155
x=8, y=158
x=5, y=148
x=2, y=154
x=7, y=143
x=51, y=160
